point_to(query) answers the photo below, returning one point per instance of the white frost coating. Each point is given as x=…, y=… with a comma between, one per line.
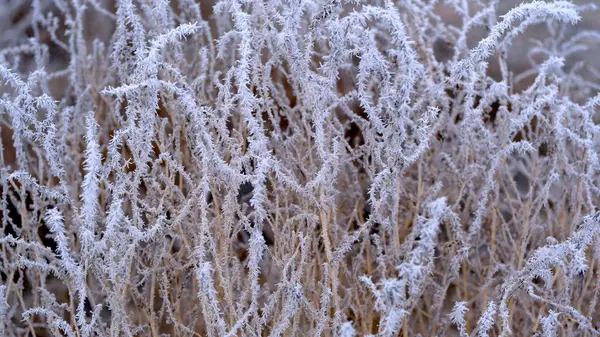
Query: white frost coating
x=298, y=168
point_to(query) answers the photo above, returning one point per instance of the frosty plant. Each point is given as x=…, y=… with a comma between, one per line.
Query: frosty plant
x=299, y=168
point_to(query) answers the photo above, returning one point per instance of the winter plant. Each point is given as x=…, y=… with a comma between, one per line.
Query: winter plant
x=299, y=168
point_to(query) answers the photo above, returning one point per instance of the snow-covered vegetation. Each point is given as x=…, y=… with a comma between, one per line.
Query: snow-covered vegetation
x=298, y=168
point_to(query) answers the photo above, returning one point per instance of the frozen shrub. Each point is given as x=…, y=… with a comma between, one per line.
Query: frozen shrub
x=298, y=168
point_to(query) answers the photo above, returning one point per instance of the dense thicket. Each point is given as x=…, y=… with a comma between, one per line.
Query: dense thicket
x=297, y=168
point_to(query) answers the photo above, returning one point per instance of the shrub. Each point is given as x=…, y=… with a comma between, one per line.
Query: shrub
x=297, y=168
